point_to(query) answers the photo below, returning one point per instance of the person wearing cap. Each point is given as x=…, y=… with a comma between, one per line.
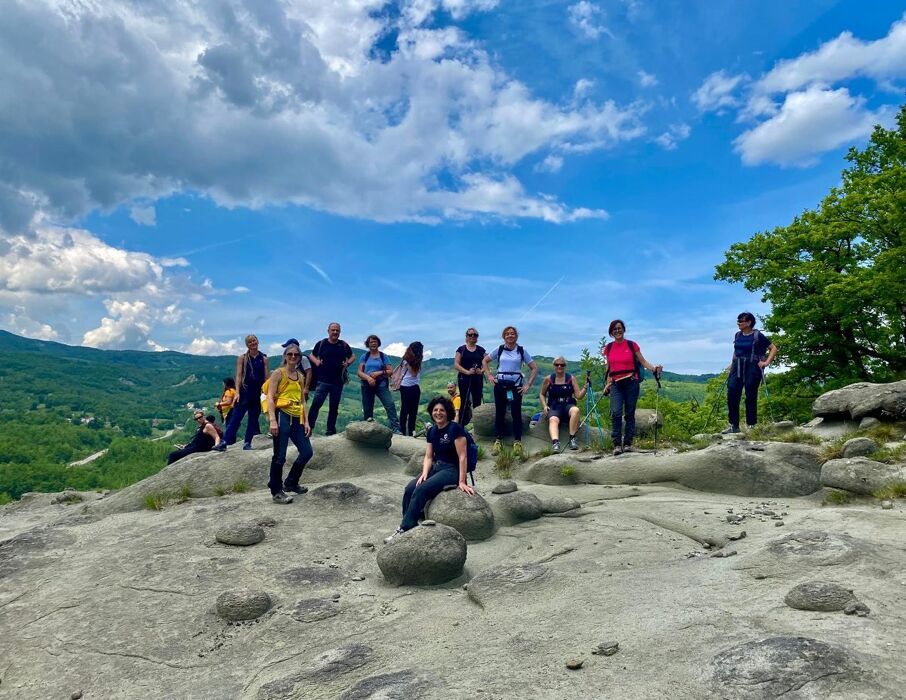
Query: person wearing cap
x=304, y=367
x=752, y=352
x=205, y=439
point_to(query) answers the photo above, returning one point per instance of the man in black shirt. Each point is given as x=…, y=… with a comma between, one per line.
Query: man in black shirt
x=330, y=356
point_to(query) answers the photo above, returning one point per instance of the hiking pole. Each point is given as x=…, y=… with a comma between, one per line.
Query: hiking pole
x=767, y=395
x=587, y=392
x=657, y=396
x=714, y=406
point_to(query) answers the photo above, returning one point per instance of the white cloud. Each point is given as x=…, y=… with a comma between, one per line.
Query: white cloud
x=588, y=19
x=647, y=79
x=551, y=164
x=676, y=133
x=146, y=216
x=583, y=87
x=809, y=123
x=716, y=93
x=19, y=322
x=126, y=327
x=396, y=349
x=241, y=290
x=204, y=345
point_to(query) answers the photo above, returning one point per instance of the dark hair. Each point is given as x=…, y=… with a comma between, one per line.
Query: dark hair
x=370, y=338
x=447, y=404
x=229, y=382
x=747, y=316
x=413, y=356
x=210, y=419
x=614, y=323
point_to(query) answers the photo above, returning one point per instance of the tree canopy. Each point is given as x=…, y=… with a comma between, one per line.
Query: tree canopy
x=836, y=276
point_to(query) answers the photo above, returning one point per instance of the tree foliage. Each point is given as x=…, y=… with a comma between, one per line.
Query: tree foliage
x=836, y=276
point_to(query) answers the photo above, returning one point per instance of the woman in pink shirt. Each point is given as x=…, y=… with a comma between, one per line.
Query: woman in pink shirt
x=624, y=358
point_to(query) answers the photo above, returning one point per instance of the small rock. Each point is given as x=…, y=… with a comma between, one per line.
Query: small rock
x=336, y=596
x=735, y=518
x=820, y=596
x=606, y=648
x=575, y=664
x=358, y=578
x=240, y=534
x=779, y=523
x=77, y=695
x=367, y=545
x=868, y=422
x=887, y=505
x=429, y=523
x=507, y=486
x=242, y=604
x=857, y=607
x=740, y=536
x=859, y=447
x=723, y=554
x=266, y=521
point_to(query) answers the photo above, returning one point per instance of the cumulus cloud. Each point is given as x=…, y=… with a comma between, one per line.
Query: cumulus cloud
x=588, y=19
x=146, y=216
x=551, y=164
x=126, y=327
x=19, y=322
x=204, y=345
x=674, y=134
x=717, y=92
x=251, y=104
x=396, y=349
x=647, y=79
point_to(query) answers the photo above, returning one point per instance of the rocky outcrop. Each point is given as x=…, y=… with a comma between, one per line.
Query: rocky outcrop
x=884, y=401
x=471, y=516
x=517, y=507
x=369, y=434
x=423, y=556
x=861, y=475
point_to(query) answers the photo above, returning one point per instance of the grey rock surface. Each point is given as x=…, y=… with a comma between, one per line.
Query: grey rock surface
x=483, y=421
x=349, y=495
x=423, y=556
x=517, y=507
x=885, y=401
x=506, y=486
x=819, y=595
x=242, y=604
x=401, y=685
x=860, y=474
x=405, y=446
x=859, y=447
x=471, y=516
x=559, y=504
x=369, y=434
x=504, y=582
x=868, y=422
x=240, y=534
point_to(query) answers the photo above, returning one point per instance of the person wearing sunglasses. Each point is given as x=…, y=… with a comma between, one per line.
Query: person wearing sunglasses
x=752, y=352
x=467, y=362
x=559, y=392
x=509, y=385
x=205, y=439
x=287, y=419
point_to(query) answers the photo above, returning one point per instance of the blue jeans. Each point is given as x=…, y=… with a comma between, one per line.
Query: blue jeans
x=321, y=392
x=624, y=396
x=382, y=391
x=290, y=428
x=415, y=498
x=249, y=402
x=743, y=375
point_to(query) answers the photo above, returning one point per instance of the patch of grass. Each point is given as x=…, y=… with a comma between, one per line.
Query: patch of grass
x=885, y=432
x=71, y=499
x=833, y=449
x=545, y=452
x=156, y=501
x=503, y=463
x=568, y=472
x=185, y=493
x=694, y=445
x=766, y=431
x=837, y=498
x=219, y=491
x=895, y=490
x=481, y=452
x=241, y=487
x=889, y=455
x=5, y=498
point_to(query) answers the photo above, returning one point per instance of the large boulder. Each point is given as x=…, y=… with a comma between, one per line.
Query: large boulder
x=483, y=421
x=887, y=401
x=517, y=507
x=405, y=446
x=645, y=420
x=338, y=457
x=859, y=447
x=819, y=595
x=423, y=556
x=860, y=474
x=767, y=469
x=471, y=516
x=369, y=434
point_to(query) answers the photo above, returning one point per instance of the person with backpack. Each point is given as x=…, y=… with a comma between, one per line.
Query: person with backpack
x=406, y=379
x=331, y=358
x=509, y=385
x=227, y=399
x=251, y=371
x=559, y=393
x=625, y=364
x=304, y=367
x=446, y=463
x=374, y=371
x=204, y=440
x=467, y=361
x=287, y=421
x=752, y=352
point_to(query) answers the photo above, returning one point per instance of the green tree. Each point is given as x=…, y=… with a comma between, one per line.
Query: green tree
x=836, y=276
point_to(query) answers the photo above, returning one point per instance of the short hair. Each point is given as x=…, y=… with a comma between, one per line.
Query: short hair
x=334, y=323
x=560, y=358
x=509, y=328
x=747, y=316
x=372, y=337
x=447, y=404
x=471, y=330
x=196, y=413
x=613, y=325
x=229, y=382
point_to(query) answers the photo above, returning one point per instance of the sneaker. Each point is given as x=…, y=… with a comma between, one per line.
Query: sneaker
x=369, y=420
x=295, y=489
x=628, y=448
x=729, y=430
x=219, y=448
x=246, y=445
x=495, y=450
x=282, y=498
x=573, y=444
x=396, y=533
x=555, y=446
x=517, y=448
x=750, y=427
x=617, y=450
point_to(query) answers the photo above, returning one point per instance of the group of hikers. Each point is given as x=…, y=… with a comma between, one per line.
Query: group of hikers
x=284, y=392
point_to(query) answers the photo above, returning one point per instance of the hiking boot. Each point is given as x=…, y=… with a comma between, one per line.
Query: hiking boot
x=617, y=450
x=517, y=448
x=295, y=489
x=246, y=445
x=555, y=446
x=369, y=420
x=573, y=444
x=396, y=533
x=219, y=448
x=495, y=450
x=282, y=498
x=729, y=430
x=628, y=448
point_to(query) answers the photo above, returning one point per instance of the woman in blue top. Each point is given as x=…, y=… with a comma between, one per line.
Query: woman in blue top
x=752, y=352
x=375, y=371
x=444, y=464
x=509, y=385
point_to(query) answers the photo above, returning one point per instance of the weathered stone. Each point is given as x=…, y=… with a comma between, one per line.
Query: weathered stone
x=784, y=426
x=868, y=423
x=506, y=486
x=861, y=475
x=859, y=447
x=315, y=609
x=369, y=434
x=242, y=604
x=559, y=504
x=517, y=507
x=423, y=556
x=864, y=399
x=608, y=648
x=483, y=421
x=311, y=575
x=402, y=685
x=405, y=447
x=818, y=595
x=346, y=494
x=575, y=664
x=415, y=465
x=240, y=534
x=887, y=505
x=505, y=581
x=857, y=607
x=470, y=515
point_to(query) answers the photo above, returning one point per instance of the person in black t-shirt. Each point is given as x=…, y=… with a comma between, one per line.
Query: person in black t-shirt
x=331, y=356
x=467, y=362
x=444, y=464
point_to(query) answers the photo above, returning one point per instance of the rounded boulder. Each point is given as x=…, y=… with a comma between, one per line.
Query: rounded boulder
x=483, y=421
x=242, y=604
x=471, y=516
x=369, y=434
x=517, y=507
x=859, y=447
x=240, y=534
x=819, y=595
x=423, y=556
x=559, y=504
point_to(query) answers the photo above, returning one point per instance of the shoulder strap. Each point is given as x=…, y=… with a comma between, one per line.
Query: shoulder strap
x=499, y=354
x=521, y=352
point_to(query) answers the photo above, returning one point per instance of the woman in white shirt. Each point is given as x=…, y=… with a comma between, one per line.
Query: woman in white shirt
x=509, y=385
x=410, y=391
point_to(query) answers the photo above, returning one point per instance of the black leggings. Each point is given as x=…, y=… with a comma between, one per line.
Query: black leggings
x=500, y=401
x=409, y=398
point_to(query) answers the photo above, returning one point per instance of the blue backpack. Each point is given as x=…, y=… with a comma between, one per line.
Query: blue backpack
x=471, y=452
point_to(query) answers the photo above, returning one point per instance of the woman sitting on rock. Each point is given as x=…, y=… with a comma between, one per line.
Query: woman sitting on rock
x=286, y=413
x=558, y=400
x=204, y=440
x=444, y=464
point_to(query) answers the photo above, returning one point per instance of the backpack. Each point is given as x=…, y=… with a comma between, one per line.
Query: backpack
x=284, y=380
x=753, y=357
x=640, y=371
x=396, y=379
x=551, y=380
x=471, y=452
x=519, y=349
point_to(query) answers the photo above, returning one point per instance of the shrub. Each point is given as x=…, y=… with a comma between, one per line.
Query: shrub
x=156, y=501
x=889, y=455
x=5, y=498
x=837, y=498
x=891, y=491
x=503, y=463
x=885, y=432
x=241, y=487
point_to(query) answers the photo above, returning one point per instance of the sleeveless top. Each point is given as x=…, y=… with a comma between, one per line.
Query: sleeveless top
x=253, y=374
x=289, y=395
x=201, y=441
x=559, y=394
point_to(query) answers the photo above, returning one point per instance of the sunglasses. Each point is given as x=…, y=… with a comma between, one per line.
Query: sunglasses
x=199, y=417
x=559, y=364
x=293, y=354
x=471, y=335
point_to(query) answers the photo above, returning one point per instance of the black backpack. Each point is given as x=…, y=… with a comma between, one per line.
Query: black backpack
x=753, y=357
x=519, y=349
x=640, y=371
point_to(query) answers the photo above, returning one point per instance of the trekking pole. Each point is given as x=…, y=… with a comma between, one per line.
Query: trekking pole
x=657, y=396
x=587, y=394
x=714, y=406
x=767, y=395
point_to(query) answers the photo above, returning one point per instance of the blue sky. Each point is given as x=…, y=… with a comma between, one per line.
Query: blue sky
x=176, y=175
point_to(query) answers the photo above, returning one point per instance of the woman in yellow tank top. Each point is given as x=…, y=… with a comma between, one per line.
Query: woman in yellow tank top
x=286, y=413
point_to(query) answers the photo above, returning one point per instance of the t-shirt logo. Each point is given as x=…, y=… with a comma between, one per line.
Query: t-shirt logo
x=445, y=438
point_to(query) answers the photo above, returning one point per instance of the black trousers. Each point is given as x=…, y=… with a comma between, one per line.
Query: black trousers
x=471, y=386
x=409, y=398
x=500, y=401
x=744, y=376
